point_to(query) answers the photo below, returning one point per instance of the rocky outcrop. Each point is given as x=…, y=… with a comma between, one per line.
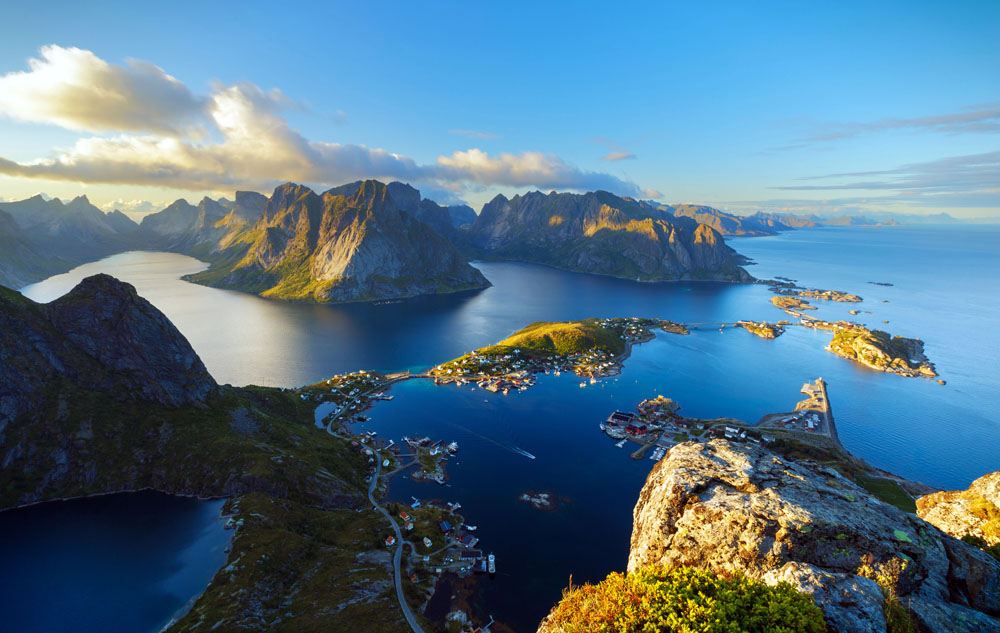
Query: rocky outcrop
x=354, y=243
x=741, y=508
x=974, y=512
x=882, y=351
x=601, y=233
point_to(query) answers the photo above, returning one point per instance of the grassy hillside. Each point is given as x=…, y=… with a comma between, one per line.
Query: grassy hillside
x=563, y=338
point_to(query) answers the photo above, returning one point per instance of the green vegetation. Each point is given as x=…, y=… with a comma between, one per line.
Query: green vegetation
x=975, y=541
x=988, y=512
x=685, y=600
x=888, y=576
x=889, y=491
x=564, y=338
x=302, y=569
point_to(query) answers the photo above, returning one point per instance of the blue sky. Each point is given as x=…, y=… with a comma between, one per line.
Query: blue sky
x=844, y=107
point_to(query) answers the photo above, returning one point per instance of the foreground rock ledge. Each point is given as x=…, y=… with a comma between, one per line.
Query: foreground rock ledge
x=727, y=507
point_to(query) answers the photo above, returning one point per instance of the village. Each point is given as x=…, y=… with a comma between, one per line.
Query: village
x=655, y=426
x=505, y=369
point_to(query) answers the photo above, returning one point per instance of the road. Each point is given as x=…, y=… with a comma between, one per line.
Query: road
x=398, y=556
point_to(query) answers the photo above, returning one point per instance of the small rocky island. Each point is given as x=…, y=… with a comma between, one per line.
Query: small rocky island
x=763, y=329
x=882, y=351
x=787, y=303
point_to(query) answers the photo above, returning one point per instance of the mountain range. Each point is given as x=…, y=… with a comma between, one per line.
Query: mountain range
x=367, y=240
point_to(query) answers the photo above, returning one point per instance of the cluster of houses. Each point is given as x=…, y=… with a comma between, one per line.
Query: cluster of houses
x=805, y=420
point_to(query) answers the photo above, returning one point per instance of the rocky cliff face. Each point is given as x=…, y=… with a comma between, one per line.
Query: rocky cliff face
x=354, y=243
x=601, y=233
x=726, y=508
x=974, y=512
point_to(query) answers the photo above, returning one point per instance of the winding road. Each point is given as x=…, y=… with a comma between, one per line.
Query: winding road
x=398, y=556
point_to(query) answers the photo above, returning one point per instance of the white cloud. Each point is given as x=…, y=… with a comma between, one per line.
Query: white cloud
x=75, y=89
x=162, y=135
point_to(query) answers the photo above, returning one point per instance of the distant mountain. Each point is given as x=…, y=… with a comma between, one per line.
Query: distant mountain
x=858, y=220
x=728, y=224
x=182, y=227
x=44, y=237
x=786, y=220
x=358, y=242
x=462, y=215
x=20, y=262
x=601, y=233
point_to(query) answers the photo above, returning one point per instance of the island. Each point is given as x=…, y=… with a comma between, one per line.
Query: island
x=787, y=303
x=882, y=351
x=763, y=329
x=592, y=348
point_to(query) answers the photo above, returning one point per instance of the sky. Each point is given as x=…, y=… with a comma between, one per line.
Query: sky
x=828, y=108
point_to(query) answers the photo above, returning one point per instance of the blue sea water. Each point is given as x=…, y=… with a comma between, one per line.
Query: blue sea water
x=122, y=563
x=945, y=292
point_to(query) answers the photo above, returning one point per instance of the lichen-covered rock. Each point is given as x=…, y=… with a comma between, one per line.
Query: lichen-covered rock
x=974, y=512
x=728, y=508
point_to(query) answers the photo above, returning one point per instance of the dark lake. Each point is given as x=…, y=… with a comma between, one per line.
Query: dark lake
x=122, y=563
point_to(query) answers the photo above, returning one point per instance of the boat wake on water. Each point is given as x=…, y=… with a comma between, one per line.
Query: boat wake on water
x=510, y=447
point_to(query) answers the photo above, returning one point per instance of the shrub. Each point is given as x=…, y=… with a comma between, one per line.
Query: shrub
x=685, y=600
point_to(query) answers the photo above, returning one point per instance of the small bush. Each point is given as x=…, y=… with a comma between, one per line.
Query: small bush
x=685, y=600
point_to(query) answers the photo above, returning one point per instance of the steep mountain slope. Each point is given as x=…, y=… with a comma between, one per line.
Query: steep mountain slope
x=353, y=243
x=601, y=233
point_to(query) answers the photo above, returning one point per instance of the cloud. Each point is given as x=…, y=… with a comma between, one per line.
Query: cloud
x=619, y=155
x=527, y=169
x=75, y=89
x=615, y=151
x=954, y=175
x=131, y=207
x=248, y=145
x=476, y=135
x=983, y=118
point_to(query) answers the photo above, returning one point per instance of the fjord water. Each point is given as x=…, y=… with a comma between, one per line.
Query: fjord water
x=945, y=292
x=122, y=563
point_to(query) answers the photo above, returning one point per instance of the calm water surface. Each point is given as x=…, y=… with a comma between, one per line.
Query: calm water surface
x=945, y=292
x=123, y=563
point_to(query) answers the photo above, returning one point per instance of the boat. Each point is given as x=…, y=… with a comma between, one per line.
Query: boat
x=621, y=443
x=582, y=385
x=491, y=564
x=471, y=528
x=453, y=448
x=593, y=380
